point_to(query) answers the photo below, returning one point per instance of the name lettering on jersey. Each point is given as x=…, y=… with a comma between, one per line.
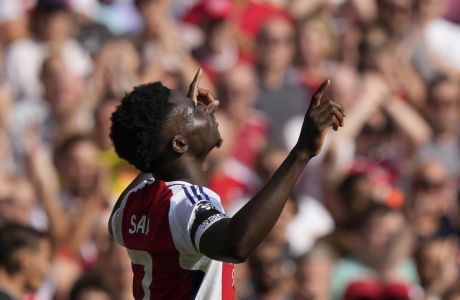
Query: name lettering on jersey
x=141, y=226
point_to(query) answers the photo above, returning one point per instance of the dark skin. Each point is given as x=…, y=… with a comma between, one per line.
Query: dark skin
x=192, y=132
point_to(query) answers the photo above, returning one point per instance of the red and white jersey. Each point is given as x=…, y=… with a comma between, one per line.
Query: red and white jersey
x=160, y=224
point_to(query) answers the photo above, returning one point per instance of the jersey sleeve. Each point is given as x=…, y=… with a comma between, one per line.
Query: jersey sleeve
x=194, y=210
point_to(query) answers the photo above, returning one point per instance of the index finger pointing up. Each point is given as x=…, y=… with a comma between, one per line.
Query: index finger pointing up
x=318, y=95
x=193, y=89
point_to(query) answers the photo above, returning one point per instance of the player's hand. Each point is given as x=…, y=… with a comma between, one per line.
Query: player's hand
x=319, y=117
x=200, y=95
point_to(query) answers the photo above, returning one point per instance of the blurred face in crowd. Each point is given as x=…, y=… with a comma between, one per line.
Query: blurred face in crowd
x=115, y=269
x=355, y=196
x=62, y=89
x=313, y=278
x=219, y=34
x=432, y=259
x=12, y=30
x=315, y=42
x=380, y=230
x=275, y=46
x=431, y=191
x=396, y=15
x=119, y=65
x=36, y=265
x=238, y=91
x=17, y=198
x=151, y=12
x=345, y=87
x=430, y=9
x=79, y=168
x=54, y=26
x=269, y=161
x=362, y=193
x=378, y=135
x=266, y=266
x=443, y=107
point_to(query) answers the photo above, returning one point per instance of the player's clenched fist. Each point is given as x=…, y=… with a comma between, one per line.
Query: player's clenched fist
x=321, y=115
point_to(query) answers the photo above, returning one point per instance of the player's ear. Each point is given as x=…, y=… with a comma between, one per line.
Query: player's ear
x=179, y=144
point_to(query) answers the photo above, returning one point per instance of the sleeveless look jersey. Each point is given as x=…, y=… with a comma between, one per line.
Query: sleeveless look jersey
x=160, y=224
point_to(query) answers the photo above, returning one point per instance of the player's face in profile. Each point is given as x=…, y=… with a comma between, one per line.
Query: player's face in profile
x=199, y=122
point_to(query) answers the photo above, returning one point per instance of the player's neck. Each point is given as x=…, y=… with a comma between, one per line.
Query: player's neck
x=183, y=169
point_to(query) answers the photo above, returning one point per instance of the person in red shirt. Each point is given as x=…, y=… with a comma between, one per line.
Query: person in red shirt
x=180, y=241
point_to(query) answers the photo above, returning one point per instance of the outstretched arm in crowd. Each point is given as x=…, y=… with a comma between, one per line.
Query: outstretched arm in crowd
x=83, y=222
x=174, y=56
x=375, y=96
x=66, y=230
x=46, y=183
x=234, y=239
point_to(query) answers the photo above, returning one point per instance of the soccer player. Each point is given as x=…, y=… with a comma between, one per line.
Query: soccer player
x=181, y=243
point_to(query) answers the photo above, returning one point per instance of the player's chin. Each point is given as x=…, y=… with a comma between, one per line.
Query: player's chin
x=218, y=141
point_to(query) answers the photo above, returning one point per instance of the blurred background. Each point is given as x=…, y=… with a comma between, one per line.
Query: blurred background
x=375, y=216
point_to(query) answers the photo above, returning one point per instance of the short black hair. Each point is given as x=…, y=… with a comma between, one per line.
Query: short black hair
x=63, y=146
x=67, y=143
x=346, y=186
x=137, y=123
x=88, y=282
x=14, y=237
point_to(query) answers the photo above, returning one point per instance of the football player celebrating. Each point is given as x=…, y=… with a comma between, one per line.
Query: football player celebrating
x=181, y=243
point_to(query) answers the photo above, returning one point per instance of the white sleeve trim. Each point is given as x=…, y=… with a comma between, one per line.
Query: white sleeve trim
x=115, y=229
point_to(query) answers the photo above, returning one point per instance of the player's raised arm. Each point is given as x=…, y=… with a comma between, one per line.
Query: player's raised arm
x=234, y=239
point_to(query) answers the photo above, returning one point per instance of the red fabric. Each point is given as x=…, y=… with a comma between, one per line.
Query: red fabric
x=209, y=10
x=251, y=139
x=154, y=200
x=383, y=180
x=373, y=290
x=250, y=20
x=255, y=15
x=151, y=244
x=310, y=84
x=361, y=289
x=227, y=188
x=396, y=290
x=228, y=281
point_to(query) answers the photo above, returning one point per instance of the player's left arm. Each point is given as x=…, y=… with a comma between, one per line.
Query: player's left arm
x=234, y=239
x=141, y=177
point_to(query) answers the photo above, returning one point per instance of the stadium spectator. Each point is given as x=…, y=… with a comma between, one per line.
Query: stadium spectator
x=277, y=79
x=443, y=114
x=24, y=260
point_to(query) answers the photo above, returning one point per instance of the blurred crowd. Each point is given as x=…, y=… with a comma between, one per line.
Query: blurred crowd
x=375, y=216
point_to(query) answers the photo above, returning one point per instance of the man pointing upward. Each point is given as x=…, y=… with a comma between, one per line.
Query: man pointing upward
x=181, y=243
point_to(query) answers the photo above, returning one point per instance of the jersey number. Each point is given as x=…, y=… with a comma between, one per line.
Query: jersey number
x=143, y=258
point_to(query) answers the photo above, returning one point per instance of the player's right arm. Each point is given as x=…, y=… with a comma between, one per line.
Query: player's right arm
x=234, y=239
